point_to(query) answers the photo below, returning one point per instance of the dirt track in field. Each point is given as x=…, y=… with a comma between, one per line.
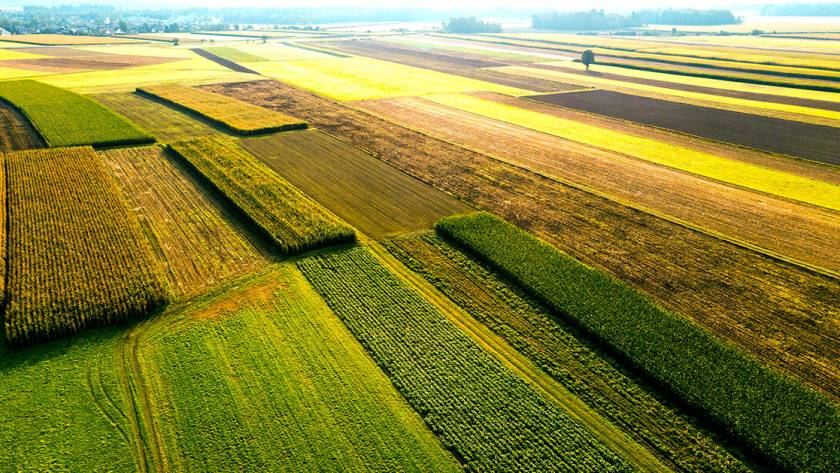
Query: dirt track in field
x=803, y=232
x=461, y=64
x=787, y=317
x=835, y=106
x=373, y=196
x=802, y=140
x=16, y=133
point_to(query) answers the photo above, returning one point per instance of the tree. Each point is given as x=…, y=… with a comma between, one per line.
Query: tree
x=176, y=42
x=587, y=58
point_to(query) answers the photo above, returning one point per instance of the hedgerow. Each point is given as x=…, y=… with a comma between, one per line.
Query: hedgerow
x=65, y=118
x=290, y=219
x=780, y=420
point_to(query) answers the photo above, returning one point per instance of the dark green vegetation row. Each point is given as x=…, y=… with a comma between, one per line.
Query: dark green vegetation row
x=490, y=419
x=65, y=118
x=780, y=420
x=291, y=220
x=76, y=254
x=550, y=344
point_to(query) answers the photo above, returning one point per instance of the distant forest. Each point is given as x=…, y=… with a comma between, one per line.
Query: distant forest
x=600, y=20
x=802, y=9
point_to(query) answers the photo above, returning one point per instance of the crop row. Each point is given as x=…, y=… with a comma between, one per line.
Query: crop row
x=65, y=118
x=290, y=219
x=490, y=418
x=784, y=422
x=76, y=254
x=238, y=116
x=554, y=347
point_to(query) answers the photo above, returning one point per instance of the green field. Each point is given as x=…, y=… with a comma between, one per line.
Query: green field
x=789, y=424
x=235, y=54
x=64, y=118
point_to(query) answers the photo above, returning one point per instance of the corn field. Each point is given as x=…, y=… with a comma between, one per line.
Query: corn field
x=76, y=254
x=290, y=219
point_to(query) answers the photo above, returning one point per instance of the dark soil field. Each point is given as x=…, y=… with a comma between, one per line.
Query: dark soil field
x=782, y=315
x=371, y=195
x=802, y=140
x=224, y=62
x=461, y=64
x=16, y=133
x=699, y=89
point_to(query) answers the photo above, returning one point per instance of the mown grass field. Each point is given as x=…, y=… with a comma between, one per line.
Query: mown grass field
x=707, y=165
x=235, y=54
x=370, y=195
x=292, y=221
x=64, y=118
x=76, y=255
x=239, y=117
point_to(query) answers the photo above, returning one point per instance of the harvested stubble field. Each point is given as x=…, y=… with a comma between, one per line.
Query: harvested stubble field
x=371, y=195
x=237, y=116
x=65, y=118
x=555, y=348
x=66, y=40
x=190, y=232
x=288, y=218
x=784, y=316
x=785, y=422
x=803, y=232
x=707, y=165
x=16, y=133
x=488, y=417
x=163, y=122
x=458, y=64
x=88, y=62
x=791, y=138
x=77, y=256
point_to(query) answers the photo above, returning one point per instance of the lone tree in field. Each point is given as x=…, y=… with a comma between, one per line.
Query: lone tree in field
x=587, y=58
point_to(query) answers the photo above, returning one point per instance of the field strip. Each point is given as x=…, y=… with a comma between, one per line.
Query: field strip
x=745, y=175
x=777, y=110
x=629, y=204
x=524, y=368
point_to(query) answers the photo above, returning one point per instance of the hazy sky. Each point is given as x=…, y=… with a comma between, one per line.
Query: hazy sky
x=525, y=4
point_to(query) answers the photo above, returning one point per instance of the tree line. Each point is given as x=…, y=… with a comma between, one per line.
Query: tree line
x=802, y=9
x=600, y=20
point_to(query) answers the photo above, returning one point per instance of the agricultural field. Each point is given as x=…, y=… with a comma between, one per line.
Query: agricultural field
x=370, y=195
x=237, y=116
x=291, y=220
x=76, y=254
x=64, y=118
x=380, y=247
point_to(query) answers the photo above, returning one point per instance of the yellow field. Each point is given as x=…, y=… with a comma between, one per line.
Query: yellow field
x=703, y=164
x=188, y=72
x=17, y=54
x=280, y=52
x=756, y=42
x=827, y=117
x=706, y=82
x=359, y=78
x=148, y=49
x=8, y=73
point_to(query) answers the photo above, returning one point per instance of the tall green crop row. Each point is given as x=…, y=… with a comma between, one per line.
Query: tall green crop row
x=65, y=118
x=76, y=254
x=485, y=414
x=779, y=419
x=294, y=222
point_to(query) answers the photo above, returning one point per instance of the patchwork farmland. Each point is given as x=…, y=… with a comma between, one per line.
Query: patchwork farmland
x=300, y=250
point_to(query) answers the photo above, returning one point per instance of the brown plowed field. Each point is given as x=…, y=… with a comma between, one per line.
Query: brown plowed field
x=787, y=317
x=190, y=233
x=16, y=133
x=803, y=232
x=460, y=64
x=835, y=106
x=371, y=195
x=798, y=167
x=802, y=140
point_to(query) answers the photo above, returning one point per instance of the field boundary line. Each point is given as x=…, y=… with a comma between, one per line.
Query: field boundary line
x=677, y=221
x=600, y=428
x=668, y=130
